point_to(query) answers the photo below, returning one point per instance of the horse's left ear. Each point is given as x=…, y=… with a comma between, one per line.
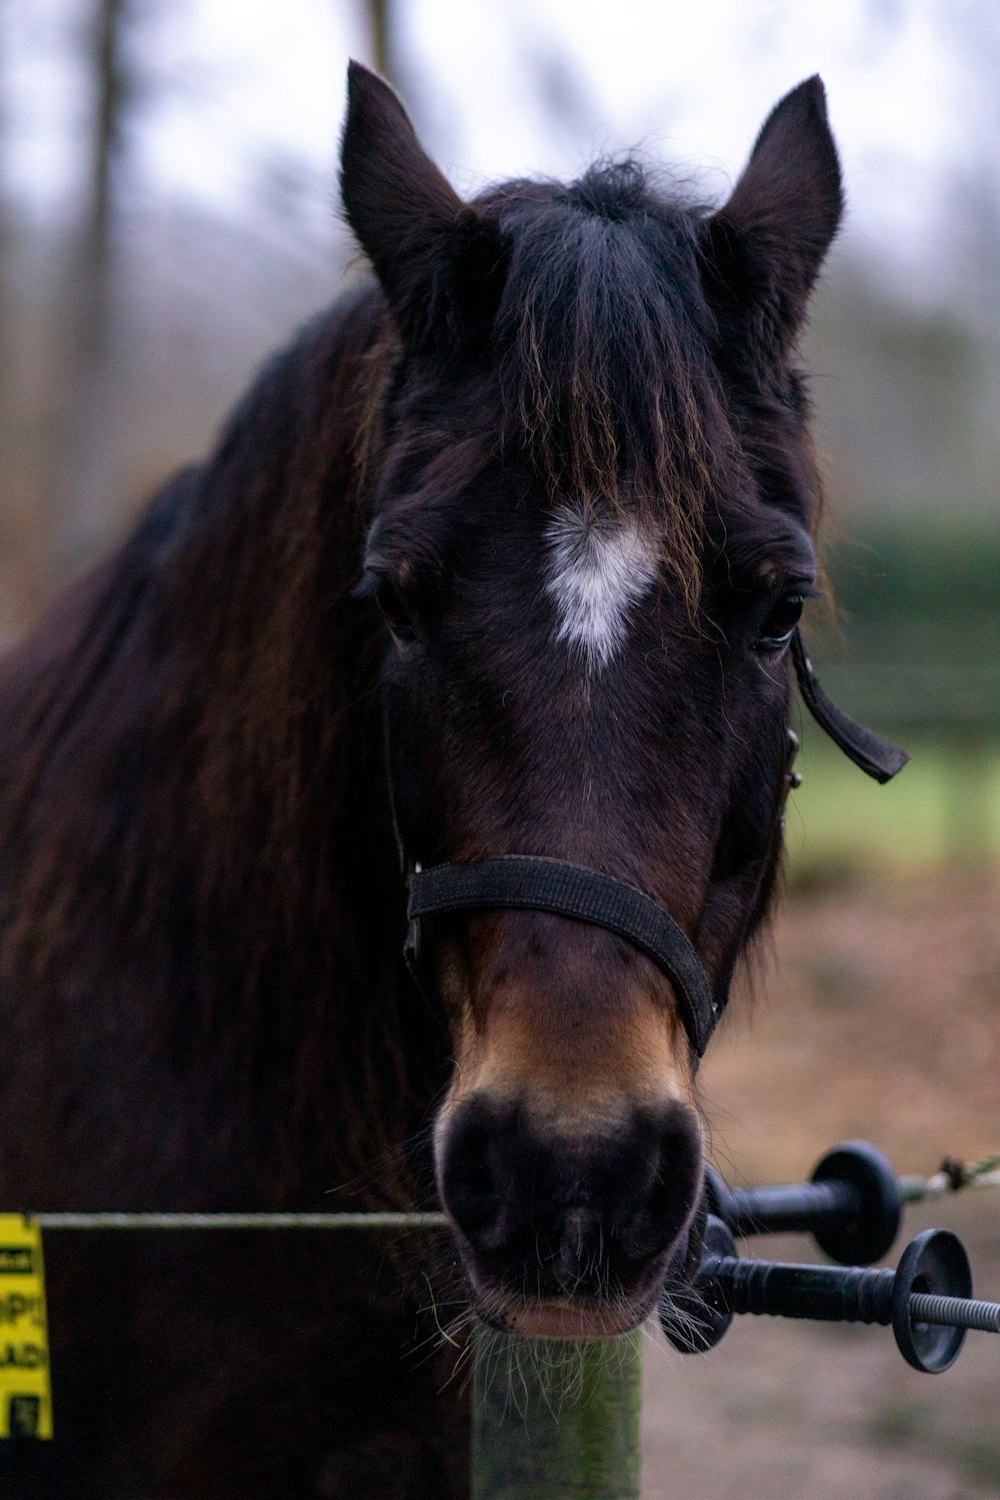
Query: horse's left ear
x=764, y=248
x=437, y=260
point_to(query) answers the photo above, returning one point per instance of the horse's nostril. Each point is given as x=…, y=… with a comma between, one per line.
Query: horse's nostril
x=468, y=1181
x=657, y=1203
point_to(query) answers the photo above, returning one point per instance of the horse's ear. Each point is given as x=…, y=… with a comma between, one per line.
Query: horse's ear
x=764, y=248
x=437, y=260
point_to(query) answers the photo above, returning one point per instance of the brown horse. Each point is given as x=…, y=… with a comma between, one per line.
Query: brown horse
x=502, y=556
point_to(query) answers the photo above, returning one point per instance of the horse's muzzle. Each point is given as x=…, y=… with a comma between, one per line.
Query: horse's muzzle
x=568, y=1232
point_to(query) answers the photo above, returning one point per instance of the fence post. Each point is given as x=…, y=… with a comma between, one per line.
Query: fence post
x=555, y=1420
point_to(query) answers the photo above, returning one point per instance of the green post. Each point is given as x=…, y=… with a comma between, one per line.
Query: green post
x=555, y=1420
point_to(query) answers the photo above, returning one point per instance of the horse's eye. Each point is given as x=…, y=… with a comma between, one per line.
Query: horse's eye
x=389, y=601
x=780, y=622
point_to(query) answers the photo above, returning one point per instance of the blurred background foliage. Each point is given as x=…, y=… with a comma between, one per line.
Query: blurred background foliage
x=144, y=272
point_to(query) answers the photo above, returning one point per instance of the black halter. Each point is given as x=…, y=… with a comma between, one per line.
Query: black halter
x=530, y=883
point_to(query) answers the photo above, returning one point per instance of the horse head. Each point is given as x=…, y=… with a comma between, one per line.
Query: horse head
x=592, y=500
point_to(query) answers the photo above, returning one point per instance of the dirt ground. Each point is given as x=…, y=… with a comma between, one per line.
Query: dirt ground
x=878, y=1017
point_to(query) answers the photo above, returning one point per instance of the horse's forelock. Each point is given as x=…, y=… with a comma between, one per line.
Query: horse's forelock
x=603, y=336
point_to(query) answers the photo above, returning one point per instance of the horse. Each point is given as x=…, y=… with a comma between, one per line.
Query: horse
x=493, y=576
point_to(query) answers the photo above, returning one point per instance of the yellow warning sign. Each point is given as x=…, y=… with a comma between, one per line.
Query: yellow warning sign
x=25, y=1393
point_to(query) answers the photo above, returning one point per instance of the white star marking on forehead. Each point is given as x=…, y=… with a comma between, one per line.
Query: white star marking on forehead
x=598, y=569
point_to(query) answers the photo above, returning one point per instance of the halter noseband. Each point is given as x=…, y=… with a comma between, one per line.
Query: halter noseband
x=533, y=883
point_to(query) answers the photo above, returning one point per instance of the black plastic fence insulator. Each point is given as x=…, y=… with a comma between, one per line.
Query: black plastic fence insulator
x=927, y=1300
x=852, y=1207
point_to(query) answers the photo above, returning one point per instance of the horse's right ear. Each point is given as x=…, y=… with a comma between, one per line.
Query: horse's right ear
x=436, y=260
x=763, y=250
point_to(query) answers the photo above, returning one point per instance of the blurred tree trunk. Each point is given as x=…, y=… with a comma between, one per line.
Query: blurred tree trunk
x=381, y=37
x=6, y=232
x=84, y=499
x=21, y=532
x=385, y=53
x=6, y=253
x=112, y=95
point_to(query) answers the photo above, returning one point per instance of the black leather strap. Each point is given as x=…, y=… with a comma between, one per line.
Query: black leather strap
x=868, y=750
x=567, y=890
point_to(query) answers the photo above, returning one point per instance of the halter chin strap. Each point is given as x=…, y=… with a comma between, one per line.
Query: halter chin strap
x=524, y=882
x=529, y=883
x=876, y=756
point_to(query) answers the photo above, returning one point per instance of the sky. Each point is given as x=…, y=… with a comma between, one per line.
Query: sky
x=246, y=96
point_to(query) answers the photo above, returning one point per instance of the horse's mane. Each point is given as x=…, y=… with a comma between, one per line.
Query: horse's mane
x=184, y=748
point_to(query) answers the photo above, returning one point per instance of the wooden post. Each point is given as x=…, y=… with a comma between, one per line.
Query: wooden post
x=554, y=1419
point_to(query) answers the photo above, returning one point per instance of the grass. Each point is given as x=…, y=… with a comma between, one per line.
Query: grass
x=944, y=807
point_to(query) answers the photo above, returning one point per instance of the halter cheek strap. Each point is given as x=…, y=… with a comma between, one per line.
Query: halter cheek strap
x=520, y=881
x=876, y=756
